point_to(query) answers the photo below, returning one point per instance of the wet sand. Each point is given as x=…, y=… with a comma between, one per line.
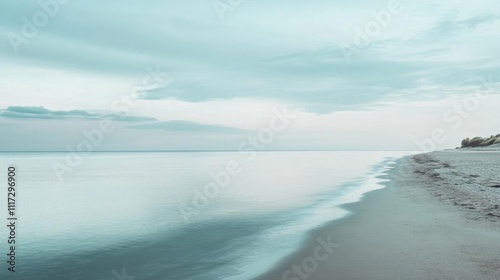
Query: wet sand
x=438, y=218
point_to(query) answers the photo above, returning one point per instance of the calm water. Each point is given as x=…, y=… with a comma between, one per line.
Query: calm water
x=136, y=211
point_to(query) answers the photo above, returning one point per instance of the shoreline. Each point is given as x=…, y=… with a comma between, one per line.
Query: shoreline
x=411, y=229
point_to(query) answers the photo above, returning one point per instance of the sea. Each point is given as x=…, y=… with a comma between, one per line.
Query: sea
x=175, y=215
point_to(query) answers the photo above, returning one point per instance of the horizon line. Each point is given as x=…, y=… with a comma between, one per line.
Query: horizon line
x=181, y=151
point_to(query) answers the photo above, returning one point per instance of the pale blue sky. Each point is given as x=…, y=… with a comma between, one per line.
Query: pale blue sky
x=221, y=77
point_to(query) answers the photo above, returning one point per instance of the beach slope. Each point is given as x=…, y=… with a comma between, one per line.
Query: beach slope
x=438, y=218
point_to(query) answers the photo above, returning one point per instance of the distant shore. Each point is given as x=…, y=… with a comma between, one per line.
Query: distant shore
x=438, y=218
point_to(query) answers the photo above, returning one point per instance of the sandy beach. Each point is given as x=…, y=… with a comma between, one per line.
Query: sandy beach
x=438, y=218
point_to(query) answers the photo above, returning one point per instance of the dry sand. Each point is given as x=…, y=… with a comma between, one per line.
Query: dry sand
x=439, y=218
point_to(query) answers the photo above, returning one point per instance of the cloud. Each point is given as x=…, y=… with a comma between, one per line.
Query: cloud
x=185, y=126
x=258, y=56
x=34, y=112
x=453, y=26
x=319, y=81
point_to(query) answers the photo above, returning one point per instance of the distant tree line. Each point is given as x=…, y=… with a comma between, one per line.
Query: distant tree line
x=480, y=141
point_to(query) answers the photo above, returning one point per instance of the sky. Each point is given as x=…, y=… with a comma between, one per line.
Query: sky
x=211, y=75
